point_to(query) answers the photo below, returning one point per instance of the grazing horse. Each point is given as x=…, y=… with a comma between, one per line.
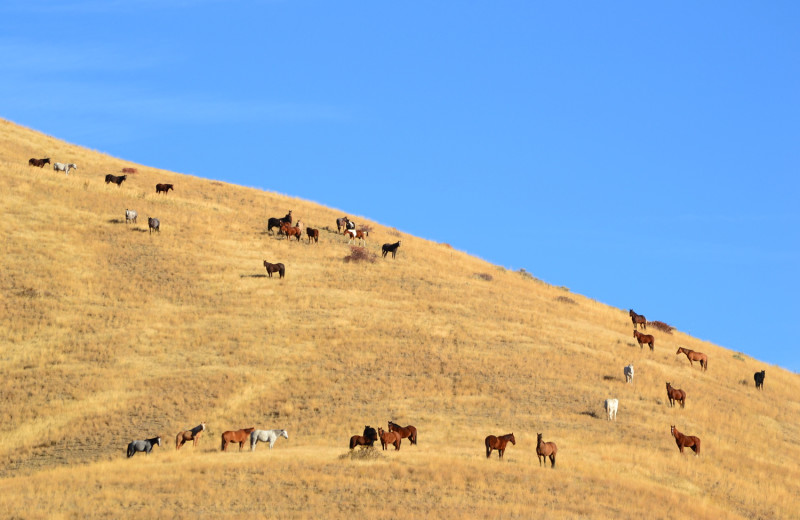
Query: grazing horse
x=498, y=443
x=274, y=268
x=38, y=162
x=611, y=406
x=544, y=450
x=759, y=379
x=685, y=441
x=130, y=216
x=342, y=224
x=390, y=248
x=628, y=371
x=357, y=235
x=189, y=435
x=164, y=188
x=116, y=179
x=389, y=438
x=409, y=431
x=278, y=222
x=367, y=439
x=291, y=231
x=269, y=436
x=312, y=233
x=145, y=446
x=61, y=167
x=694, y=356
x=153, y=224
x=675, y=394
x=637, y=319
x=238, y=436
x=644, y=338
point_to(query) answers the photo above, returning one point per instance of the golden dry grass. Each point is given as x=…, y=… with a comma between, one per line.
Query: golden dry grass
x=110, y=334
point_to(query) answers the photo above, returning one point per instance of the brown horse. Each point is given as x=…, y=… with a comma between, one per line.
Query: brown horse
x=367, y=439
x=389, y=438
x=274, y=268
x=239, y=436
x=694, y=356
x=675, y=394
x=638, y=319
x=38, y=162
x=644, y=338
x=313, y=234
x=164, y=188
x=498, y=443
x=544, y=450
x=129, y=170
x=409, y=431
x=189, y=435
x=291, y=231
x=685, y=441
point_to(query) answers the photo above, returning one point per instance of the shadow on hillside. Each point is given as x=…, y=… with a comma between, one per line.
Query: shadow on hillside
x=252, y=276
x=590, y=413
x=116, y=221
x=140, y=230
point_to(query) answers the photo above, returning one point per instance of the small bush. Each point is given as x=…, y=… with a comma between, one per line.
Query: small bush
x=525, y=273
x=660, y=325
x=484, y=276
x=566, y=299
x=360, y=254
x=362, y=453
x=394, y=232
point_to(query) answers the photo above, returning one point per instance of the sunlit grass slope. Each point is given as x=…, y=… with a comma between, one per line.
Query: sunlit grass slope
x=110, y=334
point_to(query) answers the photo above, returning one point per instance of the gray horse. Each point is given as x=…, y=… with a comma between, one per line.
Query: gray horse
x=266, y=436
x=145, y=446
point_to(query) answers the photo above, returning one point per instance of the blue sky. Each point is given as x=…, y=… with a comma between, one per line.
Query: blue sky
x=643, y=154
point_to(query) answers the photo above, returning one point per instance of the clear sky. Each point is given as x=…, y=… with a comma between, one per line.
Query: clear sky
x=644, y=154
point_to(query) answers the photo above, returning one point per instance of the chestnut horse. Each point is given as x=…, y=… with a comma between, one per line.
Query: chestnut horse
x=238, y=436
x=189, y=435
x=164, y=188
x=388, y=438
x=675, y=394
x=638, y=319
x=644, y=338
x=39, y=162
x=409, y=431
x=544, y=450
x=694, y=356
x=367, y=439
x=291, y=231
x=274, y=268
x=498, y=443
x=685, y=441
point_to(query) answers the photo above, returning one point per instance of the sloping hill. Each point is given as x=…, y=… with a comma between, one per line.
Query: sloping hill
x=111, y=333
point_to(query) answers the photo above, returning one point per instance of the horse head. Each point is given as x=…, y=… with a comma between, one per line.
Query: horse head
x=513, y=440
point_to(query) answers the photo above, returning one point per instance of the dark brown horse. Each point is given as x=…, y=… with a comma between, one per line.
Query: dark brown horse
x=685, y=441
x=38, y=162
x=498, y=443
x=238, y=436
x=367, y=439
x=274, y=268
x=694, y=356
x=116, y=179
x=164, y=188
x=644, y=338
x=390, y=248
x=389, y=438
x=313, y=234
x=675, y=394
x=638, y=319
x=544, y=450
x=409, y=431
x=189, y=435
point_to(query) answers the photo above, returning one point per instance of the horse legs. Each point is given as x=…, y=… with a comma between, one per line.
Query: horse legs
x=488, y=451
x=552, y=461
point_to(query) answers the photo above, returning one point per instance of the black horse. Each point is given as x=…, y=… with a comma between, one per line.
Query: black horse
x=759, y=378
x=277, y=222
x=390, y=248
x=116, y=179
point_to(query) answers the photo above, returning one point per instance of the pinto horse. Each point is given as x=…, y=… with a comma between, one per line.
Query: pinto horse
x=164, y=188
x=274, y=268
x=367, y=439
x=685, y=441
x=675, y=394
x=498, y=443
x=238, y=436
x=544, y=450
x=39, y=162
x=390, y=248
x=694, y=356
x=189, y=435
x=638, y=319
x=644, y=338
x=359, y=234
x=389, y=438
x=409, y=431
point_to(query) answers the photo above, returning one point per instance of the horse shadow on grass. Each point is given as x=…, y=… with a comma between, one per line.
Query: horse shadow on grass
x=116, y=221
x=252, y=276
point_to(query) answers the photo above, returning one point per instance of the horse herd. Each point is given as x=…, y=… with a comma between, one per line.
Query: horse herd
x=237, y=437
x=59, y=167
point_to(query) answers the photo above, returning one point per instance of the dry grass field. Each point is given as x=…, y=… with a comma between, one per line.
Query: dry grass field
x=109, y=333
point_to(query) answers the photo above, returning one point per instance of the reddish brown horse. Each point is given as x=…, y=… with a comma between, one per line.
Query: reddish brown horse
x=694, y=356
x=389, y=438
x=675, y=394
x=190, y=435
x=367, y=439
x=644, y=338
x=274, y=268
x=313, y=234
x=544, y=450
x=129, y=170
x=498, y=443
x=638, y=319
x=238, y=436
x=685, y=441
x=409, y=431
x=164, y=188
x=291, y=231
x=38, y=162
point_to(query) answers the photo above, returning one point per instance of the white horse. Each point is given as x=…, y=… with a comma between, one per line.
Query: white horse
x=61, y=167
x=628, y=373
x=266, y=436
x=611, y=408
x=130, y=216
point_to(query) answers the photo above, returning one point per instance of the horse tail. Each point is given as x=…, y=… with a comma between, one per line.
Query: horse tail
x=222, y=448
x=178, y=440
x=130, y=450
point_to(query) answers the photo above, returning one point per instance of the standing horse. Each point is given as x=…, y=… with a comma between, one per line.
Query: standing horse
x=164, y=188
x=291, y=231
x=60, y=167
x=145, y=446
x=274, y=268
x=389, y=438
x=390, y=248
x=278, y=222
x=116, y=179
x=685, y=441
x=153, y=224
x=637, y=319
x=498, y=443
x=611, y=406
x=39, y=162
x=675, y=394
x=758, y=377
x=354, y=235
x=694, y=356
x=544, y=450
x=130, y=216
x=644, y=338
x=367, y=439
x=313, y=233
x=238, y=436
x=269, y=436
x=189, y=435
x=628, y=371
x=409, y=431
x=342, y=224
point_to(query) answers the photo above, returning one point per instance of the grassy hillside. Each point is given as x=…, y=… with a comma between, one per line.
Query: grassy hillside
x=111, y=334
